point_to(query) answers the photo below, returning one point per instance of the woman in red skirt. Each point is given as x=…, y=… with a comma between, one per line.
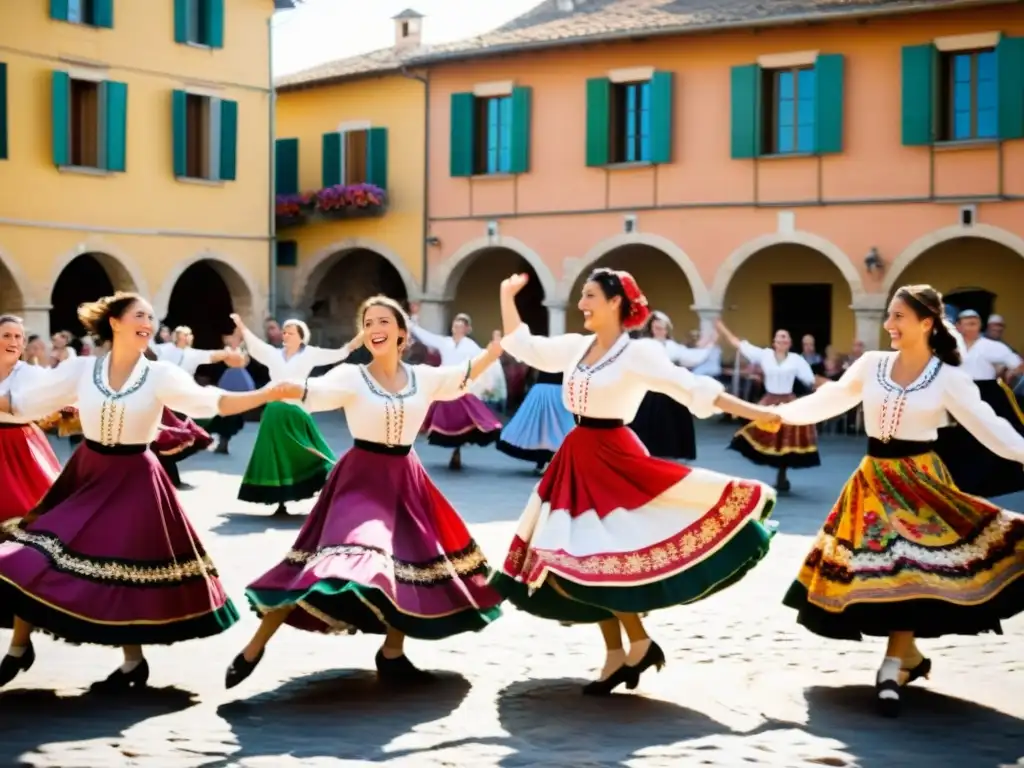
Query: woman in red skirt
x=382, y=551
x=610, y=533
x=28, y=466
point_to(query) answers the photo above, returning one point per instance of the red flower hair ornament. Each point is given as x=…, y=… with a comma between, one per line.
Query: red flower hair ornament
x=639, y=312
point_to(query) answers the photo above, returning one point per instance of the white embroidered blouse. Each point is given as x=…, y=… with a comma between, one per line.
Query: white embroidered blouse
x=915, y=413
x=985, y=355
x=380, y=416
x=23, y=376
x=683, y=355
x=452, y=352
x=129, y=416
x=615, y=385
x=188, y=358
x=294, y=368
x=778, y=376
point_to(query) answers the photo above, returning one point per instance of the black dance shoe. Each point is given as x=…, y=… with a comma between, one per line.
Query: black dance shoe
x=400, y=670
x=122, y=682
x=240, y=669
x=12, y=665
x=655, y=657
x=888, y=706
x=923, y=669
x=609, y=684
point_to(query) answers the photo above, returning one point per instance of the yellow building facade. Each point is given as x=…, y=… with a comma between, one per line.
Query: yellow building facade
x=135, y=154
x=342, y=127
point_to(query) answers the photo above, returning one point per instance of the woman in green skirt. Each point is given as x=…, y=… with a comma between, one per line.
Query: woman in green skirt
x=290, y=460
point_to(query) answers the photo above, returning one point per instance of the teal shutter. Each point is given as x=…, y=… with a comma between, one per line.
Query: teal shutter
x=521, y=126
x=3, y=111
x=61, y=118
x=377, y=157
x=746, y=110
x=919, y=80
x=463, y=134
x=114, y=101
x=330, y=163
x=828, y=104
x=103, y=13
x=181, y=21
x=286, y=166
x=661, y=117
x=599, y=101
x=228, y=169
x=179, y=132
x=59, y=10
x=287, y=253
x=1010, y=63
x=214, y=10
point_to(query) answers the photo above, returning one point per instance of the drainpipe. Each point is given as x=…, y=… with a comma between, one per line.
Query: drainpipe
x=426, y=171
x=271, y=213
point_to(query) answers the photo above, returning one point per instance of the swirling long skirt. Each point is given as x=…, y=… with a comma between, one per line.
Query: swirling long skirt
x=28, y=467
x=466, y=421
x=539, y=426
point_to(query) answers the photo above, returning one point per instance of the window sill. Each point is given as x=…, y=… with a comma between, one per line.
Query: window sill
x=200, y=182
x=629, y=165
x=492, y=176
x=84, y=170
x=953, y=146
x=785, y=155
x=198, y=46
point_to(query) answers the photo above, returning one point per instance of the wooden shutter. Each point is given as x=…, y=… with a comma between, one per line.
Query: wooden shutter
x=61, y=118
x=59, y=10
x=181, y=21
x=1010, y=69
x=377, y=157
x=919, y=79
x=214, y=11
x=179, y=132
x=521, y=126
x=746, y=122
x=462, y=140
x=227, y=168
x=287, y=253
x=286, y=166
x=599, y=93
x=330, y=163
x=828, y=103
x=103, y=13
x=661, y=117
x=114, y=101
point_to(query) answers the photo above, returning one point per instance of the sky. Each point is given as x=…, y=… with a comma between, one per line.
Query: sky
x=324, y=30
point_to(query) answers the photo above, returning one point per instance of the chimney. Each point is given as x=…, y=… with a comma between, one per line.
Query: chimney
x=408, y=29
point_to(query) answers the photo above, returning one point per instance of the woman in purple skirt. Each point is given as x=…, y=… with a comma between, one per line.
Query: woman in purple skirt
x=382, y=551
x=108, y=556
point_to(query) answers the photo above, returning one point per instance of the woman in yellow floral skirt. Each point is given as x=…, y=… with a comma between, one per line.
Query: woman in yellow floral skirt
x=904, y=553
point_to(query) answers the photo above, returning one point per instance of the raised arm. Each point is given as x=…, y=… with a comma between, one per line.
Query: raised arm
x=449, y=382
x=180, y=392
x=321, y=356
x=961, y=398
x=830, y=399
x=51, y=389
x=551, y=354
x=686, y=356
x=258, y=349
x=435, y=340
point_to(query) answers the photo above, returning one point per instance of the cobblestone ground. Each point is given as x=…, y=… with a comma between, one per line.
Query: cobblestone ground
x=744, y=684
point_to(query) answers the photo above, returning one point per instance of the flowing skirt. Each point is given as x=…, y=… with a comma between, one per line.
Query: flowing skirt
x=665, y=427
x=466, y=421
x=792, y=447
x=179, y=438
x=381, y=548
x=975, y=469
x=290, y=459
x=109, y=557
x=904, y=550
x=540, y=425
x=610, y=529
x=28, y=467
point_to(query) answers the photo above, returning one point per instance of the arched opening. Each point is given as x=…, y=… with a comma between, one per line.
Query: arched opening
x=339, y=285
x=203, y=298
x=85, y=278
x=11, y=298
x=476, y=292
x=794, y=287
x=974, y=273
x=660, y=278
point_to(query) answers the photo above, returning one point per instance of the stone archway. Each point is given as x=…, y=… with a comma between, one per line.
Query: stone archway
x=203, y=295
x=659, y=275
x=476, y=291
x=445, y=278
x=13, y=298
x=82, y=278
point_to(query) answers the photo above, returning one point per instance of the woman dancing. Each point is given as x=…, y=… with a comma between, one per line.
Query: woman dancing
x=540, y=424
x=290, y=459
x=904, y=553
x=790, y=447
x=664, y=426
x=382, y=550
x=610, y=533
x=466, y=420
x=108, y=556
x=234, y=379
x=28, y=465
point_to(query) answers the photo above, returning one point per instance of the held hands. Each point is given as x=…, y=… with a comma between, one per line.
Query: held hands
x=510, y=286
x=284, y=390
x=769, y=421
x=234, y=359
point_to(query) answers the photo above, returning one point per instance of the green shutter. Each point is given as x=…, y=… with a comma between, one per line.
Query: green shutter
x=330, y=163
x=228, y=168
x=214, y=10
x=286, y=166
x=1010, y=62
x=181, y=21
x=3, y=111
x=179, y=132
x=287, y=254
x=828, y=103
x=919, y=80
x=61, y=118
x=745, y=116
x=599, y=94
x=463, y=134
x=103, y=13
x=59, y=10
x=377, y=157
x=114, y=101
x=521, y=126
x=661, y=117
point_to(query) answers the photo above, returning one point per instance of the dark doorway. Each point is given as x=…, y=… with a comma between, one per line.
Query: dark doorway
x=83, y=279
x=960, y=299
x=202, y=301
x=802, y=309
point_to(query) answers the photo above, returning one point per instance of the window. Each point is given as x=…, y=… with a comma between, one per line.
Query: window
x=789, y=124
x=198, y=128
x=93, y=13
x=969, y=96
x=84, y=128
x=89, y=123
x=287, y=253
x=199, y=22
x=354, y=147
x=493, y=139
x=631, y=122
x=205, y=137
x=80, y=11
